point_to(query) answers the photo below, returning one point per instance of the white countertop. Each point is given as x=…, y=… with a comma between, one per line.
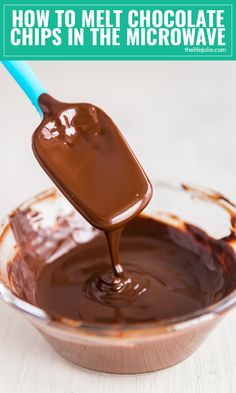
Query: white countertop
x=180, y=119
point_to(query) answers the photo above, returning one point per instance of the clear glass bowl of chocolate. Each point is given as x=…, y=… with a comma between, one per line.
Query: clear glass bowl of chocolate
x=179, y=260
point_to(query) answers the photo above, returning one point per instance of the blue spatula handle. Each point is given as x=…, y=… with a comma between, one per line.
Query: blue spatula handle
x=27, y=80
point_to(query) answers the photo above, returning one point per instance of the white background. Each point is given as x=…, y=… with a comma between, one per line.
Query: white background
x=179, y=118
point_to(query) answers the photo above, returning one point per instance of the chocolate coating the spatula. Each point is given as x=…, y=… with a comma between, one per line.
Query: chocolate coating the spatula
x=86, y=156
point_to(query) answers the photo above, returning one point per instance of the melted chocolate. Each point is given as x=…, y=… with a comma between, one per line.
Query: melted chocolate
x=164, y=271
x=168, y=271
x=86, y=156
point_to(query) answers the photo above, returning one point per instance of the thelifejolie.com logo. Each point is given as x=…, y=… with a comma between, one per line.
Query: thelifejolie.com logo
x=119, y=31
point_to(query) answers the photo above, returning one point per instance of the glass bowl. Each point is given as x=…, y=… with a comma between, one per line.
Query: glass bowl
x=138, y=348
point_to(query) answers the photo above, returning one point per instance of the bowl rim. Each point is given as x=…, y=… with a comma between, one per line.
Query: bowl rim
x=168, y=325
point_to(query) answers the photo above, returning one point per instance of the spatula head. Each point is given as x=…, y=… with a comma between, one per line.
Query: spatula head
x=86, y=156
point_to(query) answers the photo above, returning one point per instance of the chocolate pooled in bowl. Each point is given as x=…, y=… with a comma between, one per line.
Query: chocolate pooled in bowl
x=45, y=231
x=66, y=269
